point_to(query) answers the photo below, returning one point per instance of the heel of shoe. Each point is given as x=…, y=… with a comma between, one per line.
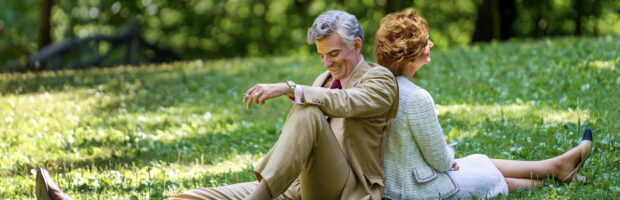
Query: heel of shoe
x=573, y=174
x=579, y=179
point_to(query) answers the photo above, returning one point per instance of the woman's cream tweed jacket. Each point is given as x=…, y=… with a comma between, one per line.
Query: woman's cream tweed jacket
x=417, y=156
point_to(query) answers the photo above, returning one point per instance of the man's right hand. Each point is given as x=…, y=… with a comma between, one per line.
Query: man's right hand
x=262, y=92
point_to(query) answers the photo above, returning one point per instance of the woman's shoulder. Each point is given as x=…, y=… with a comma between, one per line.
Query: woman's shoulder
x=412, y=93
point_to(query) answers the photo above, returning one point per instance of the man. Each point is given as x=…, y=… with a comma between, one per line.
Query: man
x=332, y=142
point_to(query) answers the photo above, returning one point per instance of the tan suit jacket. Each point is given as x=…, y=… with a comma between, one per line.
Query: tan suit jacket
x=361, y=115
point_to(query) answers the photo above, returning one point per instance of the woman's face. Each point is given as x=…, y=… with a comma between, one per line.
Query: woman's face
x=419, y=61
x=425, y=57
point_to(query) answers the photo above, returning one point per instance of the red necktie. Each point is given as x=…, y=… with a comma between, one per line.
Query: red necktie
x=336, y=85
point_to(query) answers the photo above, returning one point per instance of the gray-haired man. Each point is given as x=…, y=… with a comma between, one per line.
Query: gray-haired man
x=332, y=142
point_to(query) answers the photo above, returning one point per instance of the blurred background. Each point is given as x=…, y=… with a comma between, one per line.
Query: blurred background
x=71, y=34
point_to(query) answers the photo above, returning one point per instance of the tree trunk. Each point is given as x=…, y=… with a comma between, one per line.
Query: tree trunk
x=578, y=6
x=44, y=25
x=495, y=20
x=301, y=6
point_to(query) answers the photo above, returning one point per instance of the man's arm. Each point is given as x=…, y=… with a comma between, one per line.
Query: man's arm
x=373, y=96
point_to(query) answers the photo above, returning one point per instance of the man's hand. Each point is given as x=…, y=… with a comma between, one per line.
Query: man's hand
x=262, y=92
x=455, y=166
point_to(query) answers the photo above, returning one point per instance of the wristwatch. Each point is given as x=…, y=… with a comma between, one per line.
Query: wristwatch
x=291, y=87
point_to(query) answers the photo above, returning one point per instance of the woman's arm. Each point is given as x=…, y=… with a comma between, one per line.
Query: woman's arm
x=426, y=131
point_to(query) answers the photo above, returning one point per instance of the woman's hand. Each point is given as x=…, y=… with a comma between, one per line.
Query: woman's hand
x=455, y=166
x=262, y=92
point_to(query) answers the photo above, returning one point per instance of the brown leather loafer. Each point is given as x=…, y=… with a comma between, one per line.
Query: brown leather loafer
x=47, y=189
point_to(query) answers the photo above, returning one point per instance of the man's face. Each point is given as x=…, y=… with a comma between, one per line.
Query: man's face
x=336, y=57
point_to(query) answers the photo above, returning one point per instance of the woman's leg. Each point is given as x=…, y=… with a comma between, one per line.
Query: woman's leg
x=516, y=183
x=557, y=167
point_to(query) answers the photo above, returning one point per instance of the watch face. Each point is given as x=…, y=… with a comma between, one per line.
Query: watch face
x=291, y=86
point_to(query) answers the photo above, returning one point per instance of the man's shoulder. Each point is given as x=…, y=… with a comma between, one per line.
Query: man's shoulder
x=378, y=70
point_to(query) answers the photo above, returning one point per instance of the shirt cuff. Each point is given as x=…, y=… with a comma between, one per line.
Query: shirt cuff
x=299, y=96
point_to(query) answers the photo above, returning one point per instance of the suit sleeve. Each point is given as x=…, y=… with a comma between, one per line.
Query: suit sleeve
x=373, y=96
x=426, y=131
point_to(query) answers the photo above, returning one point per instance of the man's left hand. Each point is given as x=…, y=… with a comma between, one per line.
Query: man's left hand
x=262, y=92
x=455, y=167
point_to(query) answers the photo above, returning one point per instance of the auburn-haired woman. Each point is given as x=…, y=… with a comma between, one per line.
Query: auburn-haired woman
x=418, y=163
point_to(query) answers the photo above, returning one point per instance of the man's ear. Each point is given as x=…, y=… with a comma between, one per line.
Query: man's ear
x=357, y=46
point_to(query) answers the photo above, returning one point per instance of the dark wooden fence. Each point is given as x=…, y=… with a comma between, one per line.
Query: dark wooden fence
x=126, y=47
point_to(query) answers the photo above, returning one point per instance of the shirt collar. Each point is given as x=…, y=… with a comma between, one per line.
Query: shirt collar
x=344, y=80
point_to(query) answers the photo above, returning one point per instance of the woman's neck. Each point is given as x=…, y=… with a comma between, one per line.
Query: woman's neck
x=410, y=70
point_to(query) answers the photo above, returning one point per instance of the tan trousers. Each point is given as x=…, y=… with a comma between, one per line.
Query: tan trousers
x=306, y=157
x=235, y=191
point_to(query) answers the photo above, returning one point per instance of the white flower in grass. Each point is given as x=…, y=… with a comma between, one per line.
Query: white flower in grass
x=585, y=87
x=207, y=116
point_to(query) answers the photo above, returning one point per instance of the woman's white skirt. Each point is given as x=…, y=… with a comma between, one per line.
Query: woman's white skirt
x=478, y=177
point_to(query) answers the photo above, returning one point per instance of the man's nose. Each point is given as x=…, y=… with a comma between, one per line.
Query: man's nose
x=327, y=62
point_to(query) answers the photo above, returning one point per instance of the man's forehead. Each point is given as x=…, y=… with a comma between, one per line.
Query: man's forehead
x=329, y=43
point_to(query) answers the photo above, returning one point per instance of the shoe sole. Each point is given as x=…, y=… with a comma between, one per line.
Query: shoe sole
x=41, y=188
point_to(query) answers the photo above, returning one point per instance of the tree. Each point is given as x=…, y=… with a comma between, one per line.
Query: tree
x=495, y=20
x=585, y=9
x=44, y=25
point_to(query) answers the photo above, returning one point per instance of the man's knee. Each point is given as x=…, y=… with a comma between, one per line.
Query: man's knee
x=306, y=118
x=306, y=111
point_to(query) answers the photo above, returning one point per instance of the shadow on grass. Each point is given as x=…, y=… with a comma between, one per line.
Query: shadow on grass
x=143, y=91
x=209, y=148
x=160, y=189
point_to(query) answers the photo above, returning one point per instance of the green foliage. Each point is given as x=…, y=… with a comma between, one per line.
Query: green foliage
x=208, y=29
x=147, y=132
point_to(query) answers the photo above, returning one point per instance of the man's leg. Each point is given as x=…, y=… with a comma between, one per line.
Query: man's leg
x=235, y=191
x=232, y=192
x=309, y=149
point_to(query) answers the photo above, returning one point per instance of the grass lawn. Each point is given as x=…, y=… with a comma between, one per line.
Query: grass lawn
x=148, y=132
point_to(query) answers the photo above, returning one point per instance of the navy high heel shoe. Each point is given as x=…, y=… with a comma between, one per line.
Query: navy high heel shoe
x=586, y=149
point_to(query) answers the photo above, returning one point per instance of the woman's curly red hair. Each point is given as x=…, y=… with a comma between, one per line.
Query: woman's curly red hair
x=400, y=39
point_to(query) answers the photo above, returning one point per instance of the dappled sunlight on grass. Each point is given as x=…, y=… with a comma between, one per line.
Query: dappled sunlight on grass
x=480, y=128
x=603, y=65
x=232, y=163
x=46, y=121
x=149, y=131
x=479, y=113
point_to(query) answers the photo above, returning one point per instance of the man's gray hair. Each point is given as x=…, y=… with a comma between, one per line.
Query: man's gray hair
x=343, y=23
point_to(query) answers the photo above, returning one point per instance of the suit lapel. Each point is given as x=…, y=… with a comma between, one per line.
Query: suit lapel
x=320, y=80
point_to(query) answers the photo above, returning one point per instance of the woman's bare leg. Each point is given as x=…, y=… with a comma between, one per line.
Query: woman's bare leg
x=557, y=167
x=516, y=183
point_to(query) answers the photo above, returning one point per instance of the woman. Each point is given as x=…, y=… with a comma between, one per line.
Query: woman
x=418, y=163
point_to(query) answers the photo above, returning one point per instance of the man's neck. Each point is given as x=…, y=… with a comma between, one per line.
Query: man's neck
x=360, y=59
